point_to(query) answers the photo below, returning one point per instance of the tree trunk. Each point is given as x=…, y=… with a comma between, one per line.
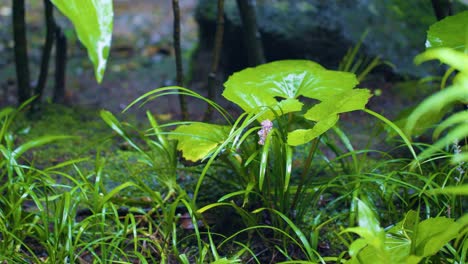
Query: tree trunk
x=21, y=51
x=60, y=66
x=178, y=54
x=49, y=42
x=442, y=8
x=252, y=39
x=215, y=61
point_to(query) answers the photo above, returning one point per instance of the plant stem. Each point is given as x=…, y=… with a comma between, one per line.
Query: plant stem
x=305, y=171
x=46, y=51
x=60, y=66
x=252, y=38
x=21, y=51
x=215, y=62
x=178, y=55
x=442, y=8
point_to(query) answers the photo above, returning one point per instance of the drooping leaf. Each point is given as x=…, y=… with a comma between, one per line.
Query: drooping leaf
x=93, y=21
x=455, y=59
x=450, y=32
x=435, y=104
x=198, y=140
x=269, y=84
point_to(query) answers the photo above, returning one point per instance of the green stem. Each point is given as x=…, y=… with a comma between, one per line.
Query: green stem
x=305, y=171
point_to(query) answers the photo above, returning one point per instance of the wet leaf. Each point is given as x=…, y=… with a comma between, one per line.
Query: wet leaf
x=268, y=85
x=93, y=21
x=450, y=32
x=280, y=86
x=198, y=140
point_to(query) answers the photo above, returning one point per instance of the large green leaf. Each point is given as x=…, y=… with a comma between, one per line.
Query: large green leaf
x=281, y=85
x=450, y=32
x=326, y=114
x=198, y=140
x=269, y=84
x=93, y=20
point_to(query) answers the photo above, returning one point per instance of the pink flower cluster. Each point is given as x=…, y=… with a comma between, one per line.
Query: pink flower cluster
x=267, y=125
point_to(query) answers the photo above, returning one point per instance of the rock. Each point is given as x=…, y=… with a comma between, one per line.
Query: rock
x=323, y=30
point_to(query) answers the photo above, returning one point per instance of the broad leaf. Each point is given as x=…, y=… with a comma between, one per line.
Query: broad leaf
x=347, y=101
x=280, y=85
x=450, y=32
x=93, y=20
x=269, y=84
x=198, y=140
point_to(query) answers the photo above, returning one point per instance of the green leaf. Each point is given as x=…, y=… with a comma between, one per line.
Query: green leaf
x=457, y=118
x=198, y=140
x=435, y=104
x=368, y=220
x=268, y=85
x=369, y=227
x=347, y=101
x=302, y=136
x=450, y=32
x=457, y=190
x=433, y=234
x=93, y=21
x=37, y=143
x=455, y=59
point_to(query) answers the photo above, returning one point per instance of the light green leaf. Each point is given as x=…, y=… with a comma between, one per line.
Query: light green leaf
x=457, y=118
x=368, y=220
x=455, y=59
x=450, y=32
x=302, y=136
x=435, y=104
x=347, y=101
x=457, y=190
x=37, y=143
x=433, y=234
x=268, y=85
x=93, y=21
x=198, y=140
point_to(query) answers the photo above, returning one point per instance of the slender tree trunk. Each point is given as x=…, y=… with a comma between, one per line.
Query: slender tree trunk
x=21, y=51
x=252, y=37
x=178, y=54
x=215, y=61
x=442, y=8
x=47, y=50
x=60, y=66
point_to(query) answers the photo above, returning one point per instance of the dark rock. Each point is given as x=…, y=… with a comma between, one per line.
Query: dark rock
x=323, y=30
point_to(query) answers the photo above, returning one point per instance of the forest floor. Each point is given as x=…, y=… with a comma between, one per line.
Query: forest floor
x=141, y=59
